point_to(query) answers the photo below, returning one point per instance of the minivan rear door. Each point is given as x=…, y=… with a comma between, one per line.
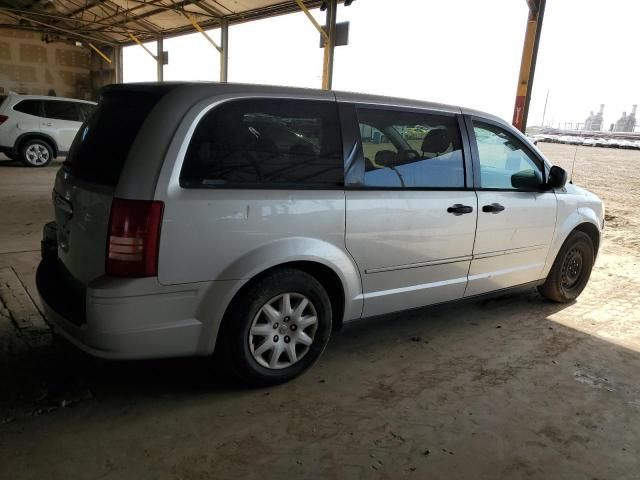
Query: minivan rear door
x=410, y=218
x=85, y=186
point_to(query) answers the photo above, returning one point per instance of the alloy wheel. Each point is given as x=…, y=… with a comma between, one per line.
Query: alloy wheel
x=283, y=331
x=37, y=154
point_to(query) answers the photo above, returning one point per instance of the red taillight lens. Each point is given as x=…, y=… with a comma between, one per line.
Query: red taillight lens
x=3, y=118
x=134, y=238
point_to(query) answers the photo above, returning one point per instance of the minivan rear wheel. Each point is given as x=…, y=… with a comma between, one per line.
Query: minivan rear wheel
x=571, y=269
x=36, y=153
x=278, y=329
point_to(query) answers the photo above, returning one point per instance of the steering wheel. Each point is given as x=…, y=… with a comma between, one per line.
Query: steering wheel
x=407, y=154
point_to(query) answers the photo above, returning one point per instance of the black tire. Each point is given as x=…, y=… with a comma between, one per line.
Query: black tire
x=571, y=269
x=234, y=347
x=36, y=153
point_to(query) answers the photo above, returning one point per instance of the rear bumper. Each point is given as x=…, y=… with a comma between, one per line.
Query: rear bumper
x=123, y=318
x=7, y=150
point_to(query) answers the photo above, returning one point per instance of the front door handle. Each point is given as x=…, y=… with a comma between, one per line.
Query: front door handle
x=493, y=208
x=459, y=209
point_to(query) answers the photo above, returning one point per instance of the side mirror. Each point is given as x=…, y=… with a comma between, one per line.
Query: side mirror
x=557, y=177
x=526, y=180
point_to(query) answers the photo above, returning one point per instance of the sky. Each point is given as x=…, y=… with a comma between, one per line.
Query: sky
x=461, y=52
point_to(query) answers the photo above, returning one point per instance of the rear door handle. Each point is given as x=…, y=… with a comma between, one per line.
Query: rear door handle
x=493, y=208
x=47, y=124
x=459, y=209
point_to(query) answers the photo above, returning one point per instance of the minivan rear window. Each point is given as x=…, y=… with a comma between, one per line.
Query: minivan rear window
x=266, y=143
x=103, y=142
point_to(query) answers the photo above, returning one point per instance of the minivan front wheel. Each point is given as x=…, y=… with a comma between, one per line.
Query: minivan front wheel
x=36, y=153
x=571, y=269
x=278, y=329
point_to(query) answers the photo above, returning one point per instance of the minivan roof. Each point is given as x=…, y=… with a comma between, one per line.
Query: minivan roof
x=148, y=151
x=203, y=90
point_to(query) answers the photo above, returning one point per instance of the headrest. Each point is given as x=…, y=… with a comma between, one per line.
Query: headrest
x=302, y=149
x=437, y=140
x=385, y=158
x=266, y=146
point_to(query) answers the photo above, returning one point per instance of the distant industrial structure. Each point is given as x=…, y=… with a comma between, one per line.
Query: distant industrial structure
x=594, y=122
x=626, y=123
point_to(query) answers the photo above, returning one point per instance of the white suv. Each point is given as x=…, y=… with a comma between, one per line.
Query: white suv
x=36, y=129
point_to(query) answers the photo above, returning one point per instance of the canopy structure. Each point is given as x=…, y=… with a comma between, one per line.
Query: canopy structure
x=107, y=25
x=116, y=23
x=110, y=22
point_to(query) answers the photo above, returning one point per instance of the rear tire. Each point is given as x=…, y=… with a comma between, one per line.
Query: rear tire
x=277, y=329
x=36, y=153
x=571, y=269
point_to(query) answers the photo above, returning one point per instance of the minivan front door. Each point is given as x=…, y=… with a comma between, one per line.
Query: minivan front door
x=516, y=216
x=410, y=221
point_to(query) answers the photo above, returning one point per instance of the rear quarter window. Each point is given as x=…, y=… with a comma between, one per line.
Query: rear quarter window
x=30, y=107
x=270, y=143
x=102, y=144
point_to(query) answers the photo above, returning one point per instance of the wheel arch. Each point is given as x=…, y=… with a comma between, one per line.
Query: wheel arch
x=323, y=273
x=580, y=223
x=593, y=232
x=36, y=135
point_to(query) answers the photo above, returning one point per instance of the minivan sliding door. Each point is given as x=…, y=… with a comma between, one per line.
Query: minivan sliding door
x=410, y=219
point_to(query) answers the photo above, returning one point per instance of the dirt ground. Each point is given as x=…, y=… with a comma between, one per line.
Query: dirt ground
x=511, y=387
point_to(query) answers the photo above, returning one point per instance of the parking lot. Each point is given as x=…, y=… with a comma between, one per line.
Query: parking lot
x=509, y=387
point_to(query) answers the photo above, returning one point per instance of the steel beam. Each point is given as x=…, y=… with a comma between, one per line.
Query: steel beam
x=53, y=27
x=224, y=49
x=528, y=64
x=99, y=52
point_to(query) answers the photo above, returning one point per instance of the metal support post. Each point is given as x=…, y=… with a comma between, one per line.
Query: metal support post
x=160, y=58
x=528, y=63
x=117, y=53
x=224, y=49
x=329, y=44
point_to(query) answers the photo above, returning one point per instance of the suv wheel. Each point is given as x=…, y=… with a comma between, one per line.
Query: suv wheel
x=36, y=153
x=278, y=329
x=571, y=269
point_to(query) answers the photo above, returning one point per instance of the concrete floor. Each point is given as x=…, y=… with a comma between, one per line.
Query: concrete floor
x=512, y=387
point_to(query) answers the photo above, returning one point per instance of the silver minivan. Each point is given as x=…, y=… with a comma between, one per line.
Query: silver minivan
x=253, y=221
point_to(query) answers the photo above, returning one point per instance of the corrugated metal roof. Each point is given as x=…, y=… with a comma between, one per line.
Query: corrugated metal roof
x=111, y=21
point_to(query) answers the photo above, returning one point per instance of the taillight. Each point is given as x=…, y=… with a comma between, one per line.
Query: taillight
x=134, y=238
x=3, y=118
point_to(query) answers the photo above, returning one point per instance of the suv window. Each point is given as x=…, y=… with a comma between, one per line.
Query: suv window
x=410, y=150
x=30, y=107
x=61, y=110
x=101, y=147
x=502, y=156
x=266, y=143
